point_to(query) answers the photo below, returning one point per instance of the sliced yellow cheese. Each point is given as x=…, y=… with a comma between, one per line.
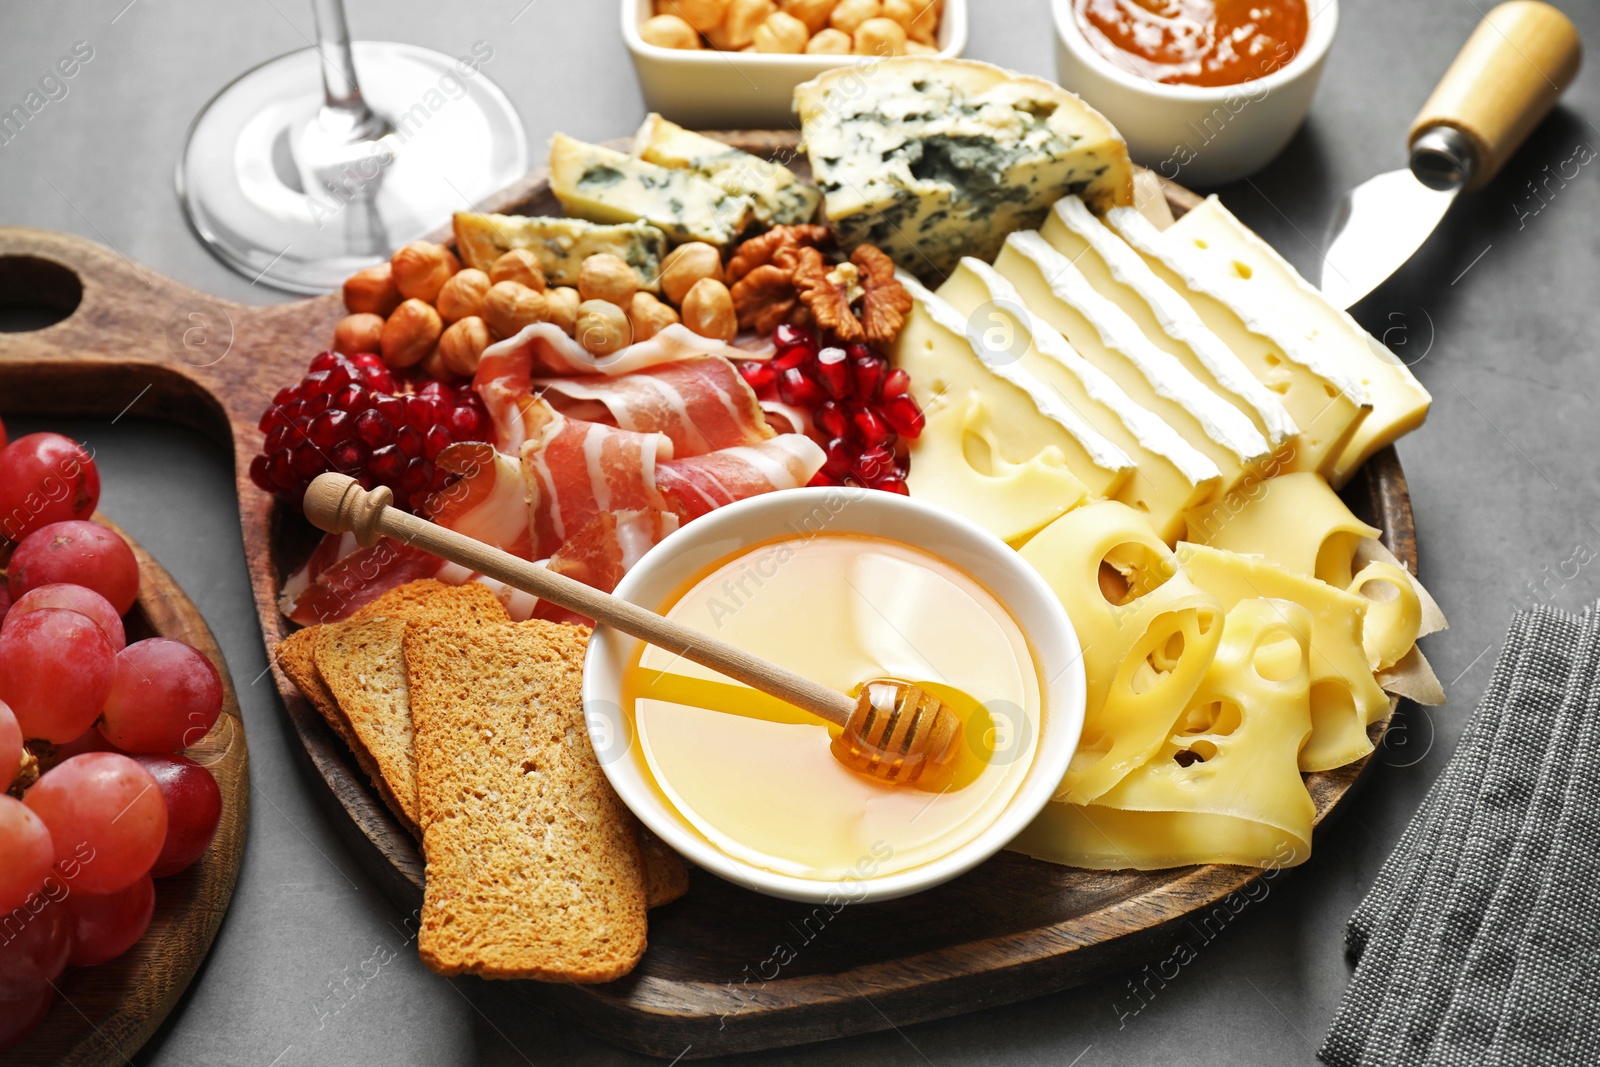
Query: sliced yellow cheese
x=1118, y=273
x=1145, y=649
x=1250, y=276
x=1394, y=613
x=1345, y=698
x=1224, y=787
x=1170, y=477
x=1054, y=289
x=1326, y=401
x=958, y=464
x=1026, y=417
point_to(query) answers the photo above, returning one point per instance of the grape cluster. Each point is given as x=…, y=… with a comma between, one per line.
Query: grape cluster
x=354, y=415
x=117, y=806
x=859, y=407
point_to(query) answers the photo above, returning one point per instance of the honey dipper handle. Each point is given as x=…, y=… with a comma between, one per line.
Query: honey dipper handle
x=337, y=503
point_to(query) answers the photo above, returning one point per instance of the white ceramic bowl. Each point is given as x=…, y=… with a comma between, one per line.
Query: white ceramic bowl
x=1192, y=134
x=713, y=90
x=729, y=531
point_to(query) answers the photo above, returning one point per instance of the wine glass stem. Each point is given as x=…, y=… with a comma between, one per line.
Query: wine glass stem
x=344, y=107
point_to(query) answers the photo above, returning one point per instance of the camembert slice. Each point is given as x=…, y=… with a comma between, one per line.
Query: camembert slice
x=935, y=159
x=777, y=196
x=603, y=185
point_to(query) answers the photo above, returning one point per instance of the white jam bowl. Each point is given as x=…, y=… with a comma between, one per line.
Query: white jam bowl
x=1190, y=134
x=730, y=531
x=712, y=90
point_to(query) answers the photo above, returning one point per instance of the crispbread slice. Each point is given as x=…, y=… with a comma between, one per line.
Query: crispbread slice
x=362, y=665
x=666, y=876
x=296, y=654
x=533, y=866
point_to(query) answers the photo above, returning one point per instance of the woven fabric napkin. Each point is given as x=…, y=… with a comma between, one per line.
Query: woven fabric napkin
x=1467, y=945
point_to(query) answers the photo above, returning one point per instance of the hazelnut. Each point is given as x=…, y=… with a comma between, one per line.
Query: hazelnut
x=421, y=268
x=902, y=11
x=782, y=34
x=917, y=48
x=462, y=345
x=708, y=310
x=814, y=13
x=410, y=334
x=738, y=30
x=880, y=37
x=510, y=306
x=463, y=295
x=561, y=308
x=362, y=332
x=371, y=290
x=607, y=277
x=518, y=265
x=830, y=42
x=847, y=15
x=669, y=31
x=434, y=367
x=602, y=327
x=686, y=265
x=702, y=15
x=649, y=316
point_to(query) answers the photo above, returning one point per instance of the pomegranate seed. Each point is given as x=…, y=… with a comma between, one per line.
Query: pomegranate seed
x=898, y=383
x=874, y=463
x=352, y=398
x=467, y=424
x=822, y=480
x=418, y=473
x=787, y=336
x=280, y=469
x=271, y=419
x=434, y=442
x=790, y=359
x=282, y=397
x=758, y=374
x=348, y=456
x=409, y=439
x=374, y=429
x=392, y=408
x=324, y=361
x=870, y=430
x=892, y=483
x=832, y=419
x=259, y=475
x=795, y=388
x=841, y=457
x=435, y=390
x=441, y=478
x=307, y=462
x=870, y=371
x=277, y=440
x=901, y=412
x=833, y=373
x=387, y=464
x=331, y=427
x=313, y=406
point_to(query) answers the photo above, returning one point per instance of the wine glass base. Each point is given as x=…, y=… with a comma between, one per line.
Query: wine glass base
x=248, y=195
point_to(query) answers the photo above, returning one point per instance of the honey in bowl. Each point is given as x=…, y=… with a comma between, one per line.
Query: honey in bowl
x=755, y=777
x=1195, y=42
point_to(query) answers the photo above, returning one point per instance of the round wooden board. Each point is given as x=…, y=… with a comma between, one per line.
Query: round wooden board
x=103, y=1015
x=1015, y=928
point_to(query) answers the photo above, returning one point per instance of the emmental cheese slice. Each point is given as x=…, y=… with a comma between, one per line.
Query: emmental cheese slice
x=1251, y=277
x=1170, y=477
x=1345, y=698
x=603, y=185
x=1326, y=401
x=777, y=196
x=1104, y=335
x=1224, y=787
x=1119, y=274
x=935, y=159
x=1026, y=418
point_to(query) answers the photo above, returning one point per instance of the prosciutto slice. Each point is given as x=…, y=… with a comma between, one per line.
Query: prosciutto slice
x=490, y=500
x=341, y=577
x=608, y=547
x=700, y=484
x=703, y=404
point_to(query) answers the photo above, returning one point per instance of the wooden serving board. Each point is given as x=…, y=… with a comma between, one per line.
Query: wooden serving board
x=103, y=1015
x=710, y=983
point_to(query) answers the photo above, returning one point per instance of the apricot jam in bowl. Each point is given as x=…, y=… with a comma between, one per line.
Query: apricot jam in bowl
x=1204, y=91
x=843, y=585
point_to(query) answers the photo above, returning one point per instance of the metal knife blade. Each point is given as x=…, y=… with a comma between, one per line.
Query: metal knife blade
x=1377, y=227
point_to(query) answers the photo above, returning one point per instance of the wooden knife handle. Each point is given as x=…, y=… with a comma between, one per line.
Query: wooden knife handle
x=1505, y=80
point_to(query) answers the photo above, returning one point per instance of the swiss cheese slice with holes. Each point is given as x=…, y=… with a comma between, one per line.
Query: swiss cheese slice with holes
x=959, y=465
x=1147, y=634
x=1119, y=274
x=1170, y=475
x=1345, y=698
x=1326, y=399
x=1027, y=418
x=1224, y=787
x=1250, y=276
x=1102, y=333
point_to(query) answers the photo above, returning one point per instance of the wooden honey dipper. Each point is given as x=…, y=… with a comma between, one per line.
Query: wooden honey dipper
x=893, y=731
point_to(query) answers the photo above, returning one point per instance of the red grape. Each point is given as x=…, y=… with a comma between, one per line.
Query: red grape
x=91, y=740
x=194, y=808
x=2, y=435
x=25, y=843
x=21, y=1017
x=75, y=598
x=10, y=749
x=45, y=478
x=77, y=553
x=107, y=817
x=166, y=697
x=104, y=926
x=56, y=670
x=5, y=602
x=34, y=951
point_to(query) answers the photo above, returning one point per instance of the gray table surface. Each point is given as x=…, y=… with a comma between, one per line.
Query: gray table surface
x=1496, y=315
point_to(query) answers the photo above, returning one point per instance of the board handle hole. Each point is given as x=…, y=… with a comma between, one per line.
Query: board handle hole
x=36, y=293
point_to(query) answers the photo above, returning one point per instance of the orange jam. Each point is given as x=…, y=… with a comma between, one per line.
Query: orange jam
x=1195, y=42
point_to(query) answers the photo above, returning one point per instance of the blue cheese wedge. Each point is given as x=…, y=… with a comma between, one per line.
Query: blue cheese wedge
x=932, y=159
x=603, y=185
x=777, y=195
x=560, y=244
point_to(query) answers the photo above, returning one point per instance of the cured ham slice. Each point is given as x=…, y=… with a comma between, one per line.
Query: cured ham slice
x=608, y=547
x=700, y=484
x=341, y=577
x=703, y=404
x=575, y=470
x=490, y=501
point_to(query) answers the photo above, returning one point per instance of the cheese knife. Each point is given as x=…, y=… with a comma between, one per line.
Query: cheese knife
x=1505, y=80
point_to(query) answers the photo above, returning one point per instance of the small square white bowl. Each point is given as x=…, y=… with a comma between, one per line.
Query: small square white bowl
x=712, y=90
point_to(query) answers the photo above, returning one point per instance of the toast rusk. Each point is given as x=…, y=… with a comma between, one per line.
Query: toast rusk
x=533, y=865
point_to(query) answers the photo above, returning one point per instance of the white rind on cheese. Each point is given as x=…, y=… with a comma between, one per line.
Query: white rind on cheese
x=603, y=185
x=1174, y=317
x=934, y=159
x=1203, y=418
